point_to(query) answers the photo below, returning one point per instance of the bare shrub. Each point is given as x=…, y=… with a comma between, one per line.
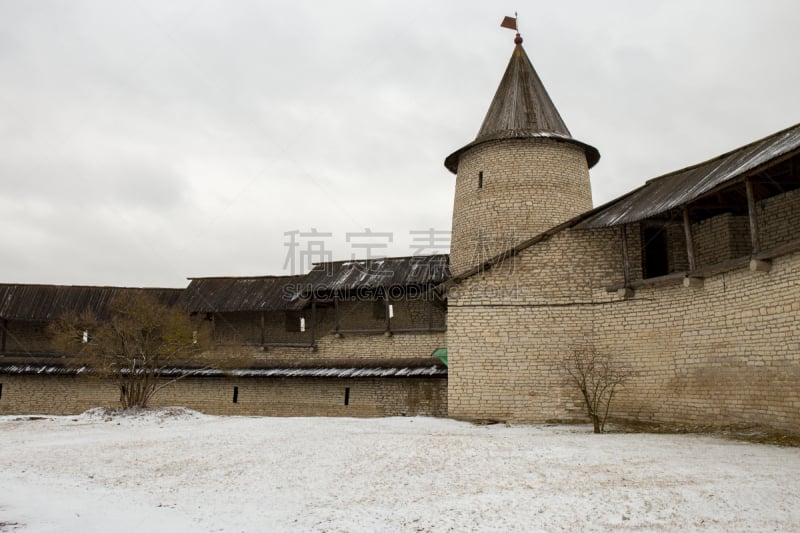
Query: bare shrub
x=597, y=377
x=142, y=346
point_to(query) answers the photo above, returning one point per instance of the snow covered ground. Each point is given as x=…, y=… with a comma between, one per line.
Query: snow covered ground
x=183, y=471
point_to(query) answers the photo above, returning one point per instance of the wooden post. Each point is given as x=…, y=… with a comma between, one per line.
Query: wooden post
x=753, y=215
x=388, y=319
x=263, y=336
x=429, y=310
x=313, y=322
x=336, y=322
x=687, y=230
x=5, y=328
x=626, y=263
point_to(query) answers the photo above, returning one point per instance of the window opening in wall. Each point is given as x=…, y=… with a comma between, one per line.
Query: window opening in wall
x=379, y=309
x=655, y=252
x=293, y=321
x=1, y=391
x=236, y=395
x=347, y=396
x=480, y=179
x=302, y=324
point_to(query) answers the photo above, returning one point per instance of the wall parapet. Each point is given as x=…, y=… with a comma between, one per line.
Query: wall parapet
x=676, y=278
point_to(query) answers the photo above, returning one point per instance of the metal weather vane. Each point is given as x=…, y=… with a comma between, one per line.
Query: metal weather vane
x=511, y=24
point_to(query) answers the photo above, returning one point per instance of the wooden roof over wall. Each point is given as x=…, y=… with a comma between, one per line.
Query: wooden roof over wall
x=232, y=294
x=274, y=293
x=346, y=276
x=49, y=302
x=681, y=187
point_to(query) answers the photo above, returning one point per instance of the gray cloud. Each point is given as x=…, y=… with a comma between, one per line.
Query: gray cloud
x=141, y=143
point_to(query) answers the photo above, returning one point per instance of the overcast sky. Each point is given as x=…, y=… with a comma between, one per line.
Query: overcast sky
x=145, y=142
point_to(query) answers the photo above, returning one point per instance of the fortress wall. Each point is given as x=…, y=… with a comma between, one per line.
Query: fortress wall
x=725, y=354
x=367, y=397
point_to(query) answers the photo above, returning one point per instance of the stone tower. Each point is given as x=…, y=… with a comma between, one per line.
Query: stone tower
x=523, y=173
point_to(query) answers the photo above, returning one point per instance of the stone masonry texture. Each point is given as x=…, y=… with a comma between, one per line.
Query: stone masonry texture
x=528, y=186
x=366, y=397
x=724, y=354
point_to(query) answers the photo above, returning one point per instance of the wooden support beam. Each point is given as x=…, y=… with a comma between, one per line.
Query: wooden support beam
x=379, y=330
x=429, y=310
x=771, y=180
x=718, y=206
x=626, y=263
x=753, y=215
x=782, y=249
x=388, y=318
x=394, y=331
x=287, y=345
x=336, y=319
x=263, y=332
x=313, y=322
x=687, y=230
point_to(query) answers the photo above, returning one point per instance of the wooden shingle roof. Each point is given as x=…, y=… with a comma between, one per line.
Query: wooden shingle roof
x=345, y=276
x=274, y=293
x=232, y=294
x=49, y=302
x=680, y=187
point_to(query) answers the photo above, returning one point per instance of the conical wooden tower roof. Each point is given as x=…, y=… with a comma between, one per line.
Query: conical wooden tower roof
x=522, y=109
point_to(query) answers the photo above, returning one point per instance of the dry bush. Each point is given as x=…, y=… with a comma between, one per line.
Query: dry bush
x=142, y=345
x=597, y=377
